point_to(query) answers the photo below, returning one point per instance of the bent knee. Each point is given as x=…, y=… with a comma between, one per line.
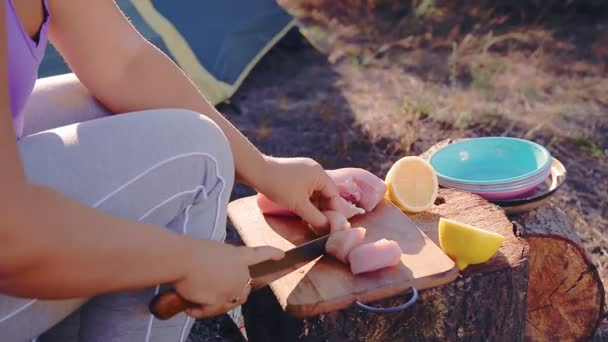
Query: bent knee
x=198, y=126
x=195, y=132
x=207, y=136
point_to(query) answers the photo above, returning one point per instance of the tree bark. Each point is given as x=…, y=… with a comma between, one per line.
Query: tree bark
x=566, y=296
x=486, y=303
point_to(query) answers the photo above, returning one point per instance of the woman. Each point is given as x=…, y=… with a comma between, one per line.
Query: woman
x=99, y=209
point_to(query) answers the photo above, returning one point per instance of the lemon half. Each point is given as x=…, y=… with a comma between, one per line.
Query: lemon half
x=467, y=245
x=412, y=184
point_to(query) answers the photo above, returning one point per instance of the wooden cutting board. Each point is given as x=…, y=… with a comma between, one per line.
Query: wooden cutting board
x=326, y=284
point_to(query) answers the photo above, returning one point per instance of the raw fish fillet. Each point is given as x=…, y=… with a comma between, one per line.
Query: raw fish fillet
x=342, y=242
x=374, y=256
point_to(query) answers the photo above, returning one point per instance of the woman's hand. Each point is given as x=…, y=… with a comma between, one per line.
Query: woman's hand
x=301, y=186
x=218, y=276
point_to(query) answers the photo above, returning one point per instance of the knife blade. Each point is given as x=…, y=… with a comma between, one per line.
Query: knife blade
x=168, y=304
x=303, y=253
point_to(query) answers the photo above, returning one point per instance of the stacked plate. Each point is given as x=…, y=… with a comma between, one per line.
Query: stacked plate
x=500, y=169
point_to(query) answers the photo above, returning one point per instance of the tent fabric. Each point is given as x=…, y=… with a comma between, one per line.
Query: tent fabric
x=216, y=42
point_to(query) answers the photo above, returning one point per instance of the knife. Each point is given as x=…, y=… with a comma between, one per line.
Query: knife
x=168, y=304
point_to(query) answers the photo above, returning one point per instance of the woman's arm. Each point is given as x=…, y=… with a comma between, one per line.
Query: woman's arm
x=52, y=246
x=127, y=73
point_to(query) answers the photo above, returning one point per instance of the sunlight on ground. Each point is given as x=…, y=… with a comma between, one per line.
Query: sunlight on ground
x=447, y=72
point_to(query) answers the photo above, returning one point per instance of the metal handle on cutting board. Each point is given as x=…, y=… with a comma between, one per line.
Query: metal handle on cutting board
x=397, y=308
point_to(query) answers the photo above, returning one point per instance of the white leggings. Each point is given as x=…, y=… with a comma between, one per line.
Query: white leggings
x=168, y=167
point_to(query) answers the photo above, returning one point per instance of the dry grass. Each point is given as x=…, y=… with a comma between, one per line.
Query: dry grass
x=468, y=70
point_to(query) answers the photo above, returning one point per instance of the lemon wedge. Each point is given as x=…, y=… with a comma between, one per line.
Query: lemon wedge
x=467, y=245
x=412, y=184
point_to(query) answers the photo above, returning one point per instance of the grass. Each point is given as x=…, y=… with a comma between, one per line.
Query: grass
x=423, y=8
x=484, y=69
x=415, y=107
x=589, y=147
x=530, y=93
x=472, y=67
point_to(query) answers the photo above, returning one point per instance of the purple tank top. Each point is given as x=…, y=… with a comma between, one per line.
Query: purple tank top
x=24, y=57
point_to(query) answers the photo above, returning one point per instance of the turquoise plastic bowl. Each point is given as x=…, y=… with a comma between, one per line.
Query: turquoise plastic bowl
x=490, y=161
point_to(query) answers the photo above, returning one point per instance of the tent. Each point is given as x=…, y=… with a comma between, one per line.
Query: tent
x=216, y=42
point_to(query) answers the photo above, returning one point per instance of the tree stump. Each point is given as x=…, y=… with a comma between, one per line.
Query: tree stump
x=565, y=296
x=565, y=293
x=486, y=303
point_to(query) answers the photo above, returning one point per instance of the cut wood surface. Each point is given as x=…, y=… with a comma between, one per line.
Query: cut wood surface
x=566, y=296
x=486, y=302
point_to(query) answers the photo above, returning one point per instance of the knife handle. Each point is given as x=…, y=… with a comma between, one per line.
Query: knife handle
x=168, y=304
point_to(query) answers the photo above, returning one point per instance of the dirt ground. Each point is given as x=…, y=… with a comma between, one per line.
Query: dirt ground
x=384, y=82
